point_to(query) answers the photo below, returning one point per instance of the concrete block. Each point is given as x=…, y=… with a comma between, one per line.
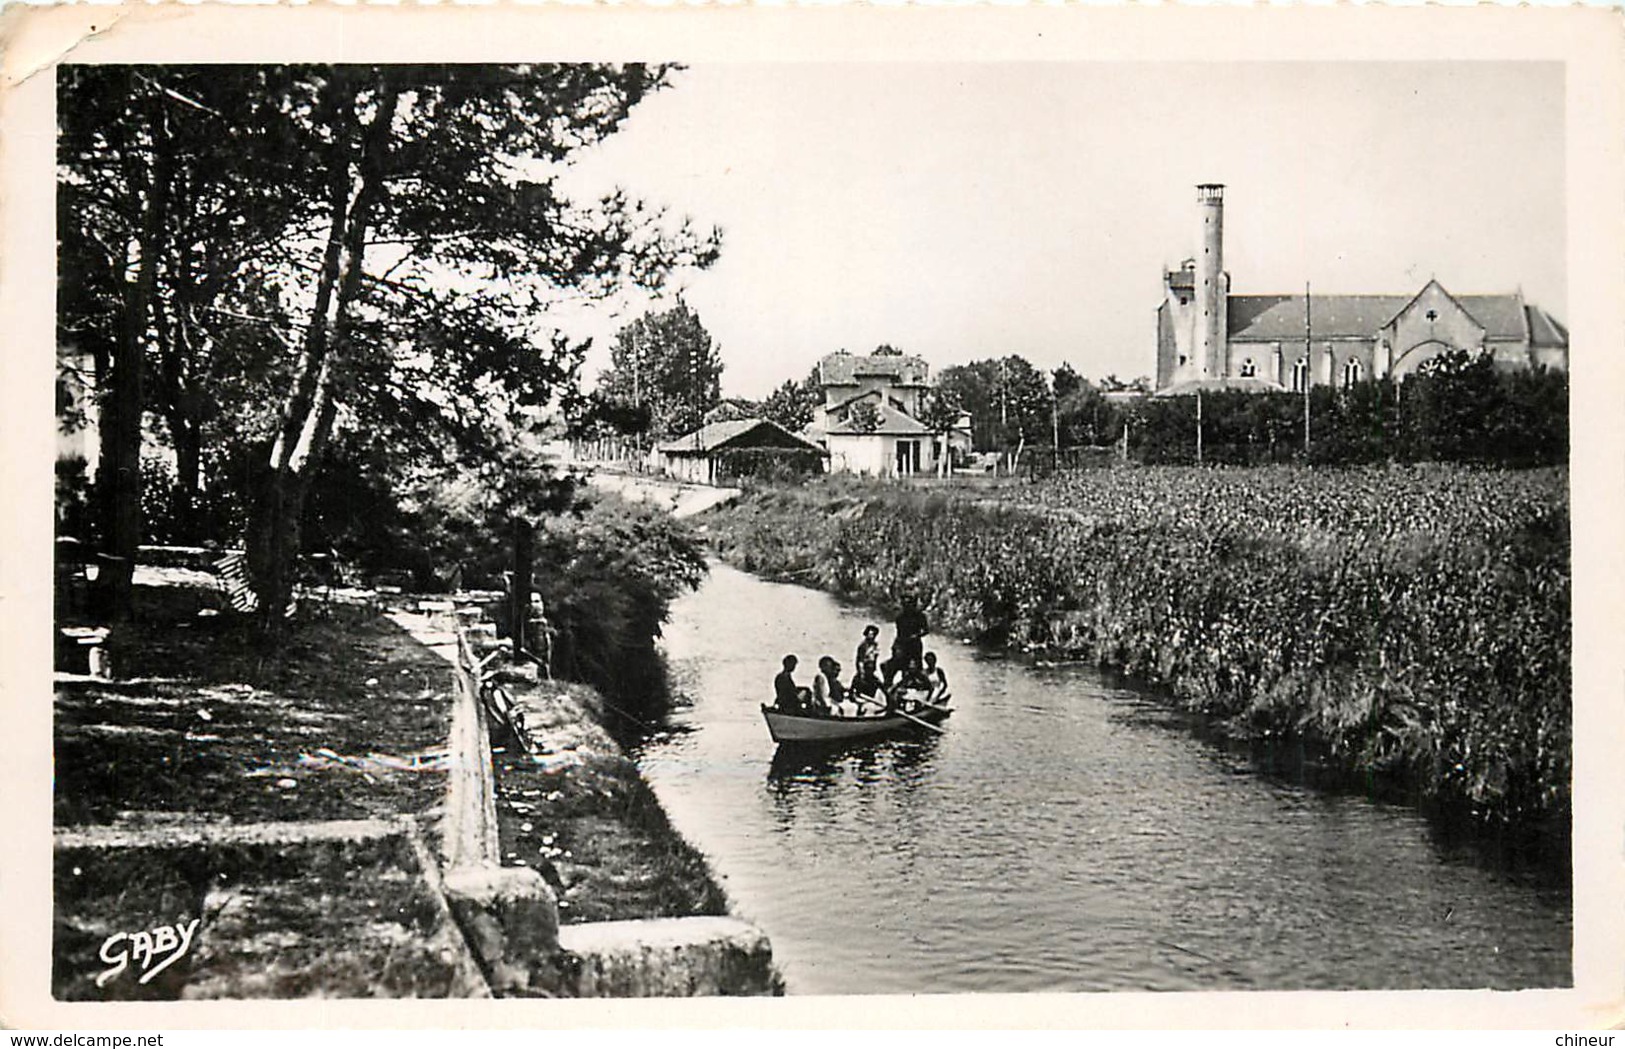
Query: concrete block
x=510, y=918
x=667, y=957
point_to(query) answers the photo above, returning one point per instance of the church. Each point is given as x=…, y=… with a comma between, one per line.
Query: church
x=1209, y=339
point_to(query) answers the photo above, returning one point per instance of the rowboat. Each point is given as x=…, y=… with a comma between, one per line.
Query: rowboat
x=830, y=728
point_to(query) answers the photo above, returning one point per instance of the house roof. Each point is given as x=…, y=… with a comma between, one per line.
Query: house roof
x=1280, y=318
x=846, y=369
x=892, y=423
x=757, y=433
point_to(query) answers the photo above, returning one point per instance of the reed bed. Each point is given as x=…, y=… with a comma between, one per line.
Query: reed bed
x=1408, y=620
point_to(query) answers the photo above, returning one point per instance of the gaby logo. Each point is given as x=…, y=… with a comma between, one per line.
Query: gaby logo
x=152, y=952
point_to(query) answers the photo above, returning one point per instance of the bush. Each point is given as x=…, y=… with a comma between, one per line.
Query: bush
x=607, y=577
x=768, y=464
x=1459, y=409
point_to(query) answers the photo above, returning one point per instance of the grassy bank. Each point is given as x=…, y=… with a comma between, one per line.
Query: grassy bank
x=579, y=811
x=1412, y=621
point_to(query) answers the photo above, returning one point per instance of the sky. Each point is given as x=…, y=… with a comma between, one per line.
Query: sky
x=972, y=210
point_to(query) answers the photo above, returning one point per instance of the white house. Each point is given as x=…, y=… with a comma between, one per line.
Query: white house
x=869, y=420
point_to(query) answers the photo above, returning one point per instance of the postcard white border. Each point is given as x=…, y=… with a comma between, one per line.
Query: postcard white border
x=1587, y=40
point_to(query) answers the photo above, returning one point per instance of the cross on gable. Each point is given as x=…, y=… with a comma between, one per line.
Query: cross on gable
x=1433, y=315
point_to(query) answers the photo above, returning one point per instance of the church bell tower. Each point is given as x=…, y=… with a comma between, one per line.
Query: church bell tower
x=1212, y=287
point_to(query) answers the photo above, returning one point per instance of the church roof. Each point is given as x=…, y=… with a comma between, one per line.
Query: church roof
x=1280, y=318
x=1546, y=330
x=1501, y=315
x=845, y=369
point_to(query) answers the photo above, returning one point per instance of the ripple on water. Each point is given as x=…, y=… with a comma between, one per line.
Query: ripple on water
x=1067, y=833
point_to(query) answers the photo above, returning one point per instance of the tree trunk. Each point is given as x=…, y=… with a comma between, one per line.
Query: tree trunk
x=188, y=478
x=180, y=411
x=119, y=480
x=354, y=183
x=522, y=585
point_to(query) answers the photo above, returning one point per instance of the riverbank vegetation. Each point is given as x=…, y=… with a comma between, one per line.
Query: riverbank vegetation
x=579, y=812
x=1413, y=621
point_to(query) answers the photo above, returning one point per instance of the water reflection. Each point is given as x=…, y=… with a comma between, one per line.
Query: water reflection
x=1073, y=833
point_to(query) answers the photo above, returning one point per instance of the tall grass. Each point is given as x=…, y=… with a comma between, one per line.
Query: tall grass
x=1411, y=620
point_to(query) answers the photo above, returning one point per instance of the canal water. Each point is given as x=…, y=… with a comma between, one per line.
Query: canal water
x=1066, y=834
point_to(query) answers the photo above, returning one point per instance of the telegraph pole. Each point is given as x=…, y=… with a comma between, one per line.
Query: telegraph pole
x=1199, y=425
x=1308, y=366
x=1055, y=421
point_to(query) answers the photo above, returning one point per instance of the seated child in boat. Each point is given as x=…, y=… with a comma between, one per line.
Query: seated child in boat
x=915, y=678
x=936, y=677
x=827, y=688
x=866, y=683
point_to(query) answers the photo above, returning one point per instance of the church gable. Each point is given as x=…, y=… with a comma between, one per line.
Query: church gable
x=1432, y=323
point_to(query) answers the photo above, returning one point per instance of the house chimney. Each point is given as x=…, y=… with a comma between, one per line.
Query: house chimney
x=1211, y=293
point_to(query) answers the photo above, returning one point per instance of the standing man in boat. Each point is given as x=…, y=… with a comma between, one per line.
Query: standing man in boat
x=909, y=646
x=787, y=695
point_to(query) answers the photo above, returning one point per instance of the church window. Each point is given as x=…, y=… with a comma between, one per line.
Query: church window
x=1351, y=372
x=1182, y=358
x=1300, y=375
x=1248, y=369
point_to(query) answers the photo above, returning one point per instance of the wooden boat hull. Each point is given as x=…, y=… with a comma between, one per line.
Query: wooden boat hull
x=817, y=728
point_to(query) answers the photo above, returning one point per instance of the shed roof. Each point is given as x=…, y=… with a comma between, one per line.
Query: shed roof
x=755, y=433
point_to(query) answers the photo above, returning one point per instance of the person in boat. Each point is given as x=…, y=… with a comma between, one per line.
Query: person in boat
x=909, y=645
x=868, y=651
x=936, y=678
x=828, y=692
x=787, y=695
x=913, y=683
x=866, y=686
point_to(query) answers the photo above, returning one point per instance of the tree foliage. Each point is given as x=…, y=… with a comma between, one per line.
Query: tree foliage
x=665, y=362
x=864, y=416
x=272, y=255
x=1458, y=409
x=792, y=405
x=1007, y=398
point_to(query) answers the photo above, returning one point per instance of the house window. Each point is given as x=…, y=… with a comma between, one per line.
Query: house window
x=1351, y=372
x=1300, y=375
x=1249, y=370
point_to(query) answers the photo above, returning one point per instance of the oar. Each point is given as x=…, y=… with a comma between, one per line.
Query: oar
x=918, y=721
